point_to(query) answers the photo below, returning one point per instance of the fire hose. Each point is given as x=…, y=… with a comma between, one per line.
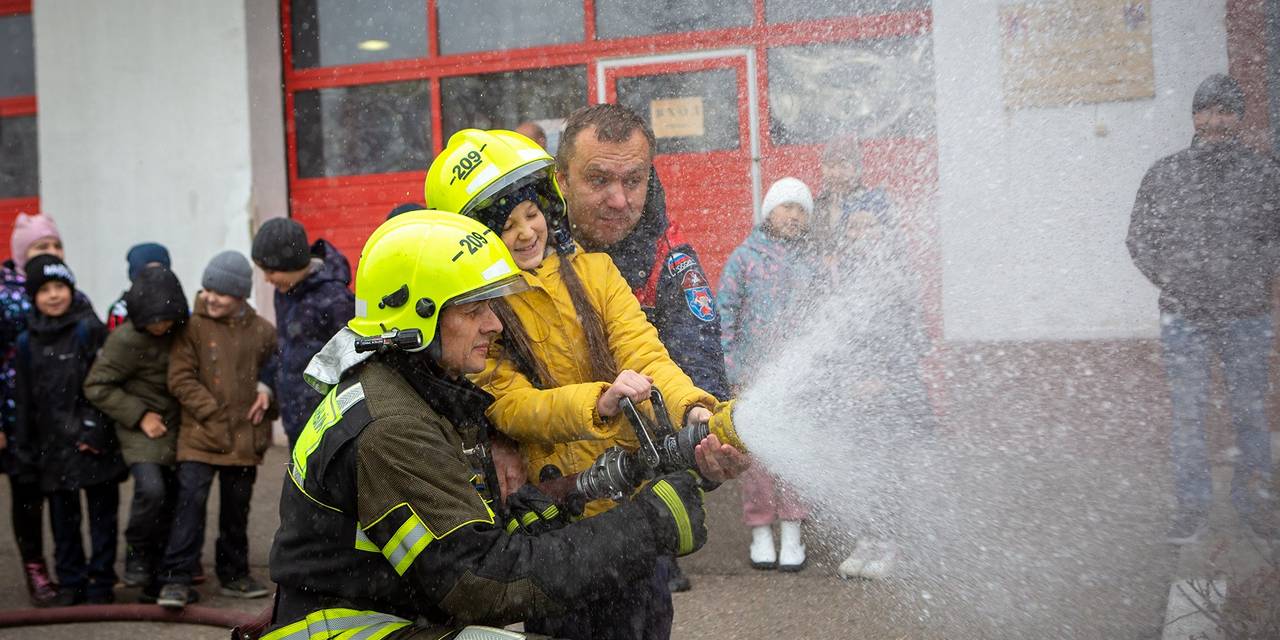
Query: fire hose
x=663, y=449
x=207, y=616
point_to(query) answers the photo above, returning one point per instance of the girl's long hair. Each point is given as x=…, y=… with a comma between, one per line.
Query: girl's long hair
x=518, y=345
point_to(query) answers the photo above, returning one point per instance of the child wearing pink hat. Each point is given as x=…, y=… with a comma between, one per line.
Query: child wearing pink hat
x=33, y=235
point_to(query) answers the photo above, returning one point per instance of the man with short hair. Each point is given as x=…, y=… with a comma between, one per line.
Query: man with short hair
x=1205, y=229
x=617, y=206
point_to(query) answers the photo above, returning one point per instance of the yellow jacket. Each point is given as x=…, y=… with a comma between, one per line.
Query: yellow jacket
x=560, y=426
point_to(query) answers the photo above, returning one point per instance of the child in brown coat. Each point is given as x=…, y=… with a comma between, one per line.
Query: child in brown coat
x=216, y=366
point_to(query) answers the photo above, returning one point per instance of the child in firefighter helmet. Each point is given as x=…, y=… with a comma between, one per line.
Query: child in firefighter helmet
x=573, y=345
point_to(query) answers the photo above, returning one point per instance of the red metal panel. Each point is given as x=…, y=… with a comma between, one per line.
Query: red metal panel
x=14, y=7
x=19, y=106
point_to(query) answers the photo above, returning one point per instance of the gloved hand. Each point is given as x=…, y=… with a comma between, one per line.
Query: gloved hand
x=674, y=503
x=533, y=512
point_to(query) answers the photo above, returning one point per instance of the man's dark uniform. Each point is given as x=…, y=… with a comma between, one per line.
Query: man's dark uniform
x=386, y=519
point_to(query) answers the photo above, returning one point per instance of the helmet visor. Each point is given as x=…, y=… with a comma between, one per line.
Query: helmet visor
x=507, y=286
x=492, y=210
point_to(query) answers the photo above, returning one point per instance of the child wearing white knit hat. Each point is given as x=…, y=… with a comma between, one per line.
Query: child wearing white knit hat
x=765, y=281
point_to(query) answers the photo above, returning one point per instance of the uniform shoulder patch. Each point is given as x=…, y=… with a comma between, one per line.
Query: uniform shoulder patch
x=697, y=294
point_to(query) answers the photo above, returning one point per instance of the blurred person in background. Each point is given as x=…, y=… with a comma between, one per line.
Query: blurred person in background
x=1205, y=230
x=533, y=131
x=313, y=301
x=764, y=291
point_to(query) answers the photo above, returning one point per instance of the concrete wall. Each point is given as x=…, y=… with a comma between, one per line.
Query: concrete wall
x=1034, y=204
x=159, y=121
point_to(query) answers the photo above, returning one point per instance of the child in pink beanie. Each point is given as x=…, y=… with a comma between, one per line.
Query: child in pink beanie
x=32, y=236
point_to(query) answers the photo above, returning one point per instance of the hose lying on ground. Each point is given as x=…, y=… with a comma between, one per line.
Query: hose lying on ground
x=124, y=613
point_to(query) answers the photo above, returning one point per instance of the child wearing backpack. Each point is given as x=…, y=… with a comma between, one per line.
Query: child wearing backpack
x=62, y=436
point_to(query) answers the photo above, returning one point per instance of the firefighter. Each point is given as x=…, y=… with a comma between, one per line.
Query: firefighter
x=574, y=345
x=388, y=528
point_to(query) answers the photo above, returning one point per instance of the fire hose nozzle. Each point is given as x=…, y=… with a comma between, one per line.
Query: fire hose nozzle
x=721, y=424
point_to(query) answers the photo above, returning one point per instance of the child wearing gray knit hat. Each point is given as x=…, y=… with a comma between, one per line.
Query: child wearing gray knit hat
x=217, y=366
x=229, y=273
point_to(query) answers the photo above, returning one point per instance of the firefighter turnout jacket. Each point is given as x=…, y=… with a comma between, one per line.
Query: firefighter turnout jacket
x=387, y=522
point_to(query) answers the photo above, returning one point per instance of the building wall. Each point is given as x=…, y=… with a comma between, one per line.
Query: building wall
x=159, y=121
x=1034, y=204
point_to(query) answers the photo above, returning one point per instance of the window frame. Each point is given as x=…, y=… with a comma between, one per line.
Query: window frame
x=759, y=35
x=12, y=107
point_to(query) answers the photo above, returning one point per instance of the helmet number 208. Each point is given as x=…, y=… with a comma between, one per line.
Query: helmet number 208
x=466, y=165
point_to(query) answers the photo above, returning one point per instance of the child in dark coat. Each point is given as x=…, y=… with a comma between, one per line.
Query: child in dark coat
x=129, y=383
x=59, y=433
x=313, y=302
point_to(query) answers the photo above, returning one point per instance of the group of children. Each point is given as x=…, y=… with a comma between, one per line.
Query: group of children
x=172, y=396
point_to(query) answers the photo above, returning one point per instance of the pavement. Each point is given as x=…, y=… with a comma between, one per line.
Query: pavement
x=1052, y=525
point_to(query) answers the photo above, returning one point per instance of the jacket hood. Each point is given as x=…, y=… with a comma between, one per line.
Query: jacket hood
x=156, y=296
x=634, y=254
x=333, y=267
x=41, y=324
x=334, y=359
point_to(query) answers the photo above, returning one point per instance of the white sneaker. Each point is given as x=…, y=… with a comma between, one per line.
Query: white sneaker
x=763, y=553
x=791, y=557
x=871, y=559
x=852, y=566
x=883, y=562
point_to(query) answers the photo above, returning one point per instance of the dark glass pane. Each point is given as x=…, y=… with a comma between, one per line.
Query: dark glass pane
x=796, y=10
x=17, y=57
x=491, y=25
x=329, y=33
x=875, y=88
x=504, y=100
x=376, y=128
x=689, y=112
x=625, y=18
x=19, y=160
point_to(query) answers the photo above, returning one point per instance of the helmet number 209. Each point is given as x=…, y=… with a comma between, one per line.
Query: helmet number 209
x=471, y=243
x=466, y=165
